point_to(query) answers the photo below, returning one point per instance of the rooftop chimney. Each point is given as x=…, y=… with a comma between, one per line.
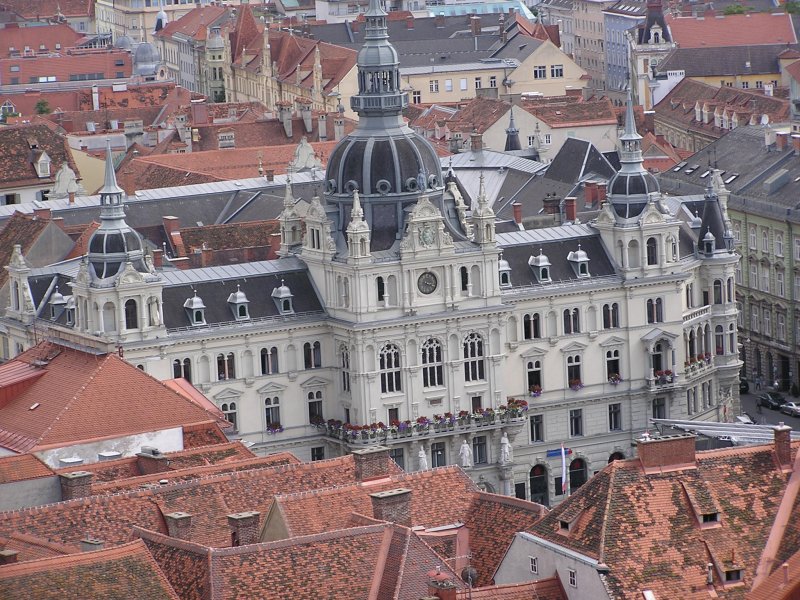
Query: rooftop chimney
x=393, y=506
x=602, y=190
x=669, y=451
x=171, y=224
x=475, y=25
x=76, y=484
x=796, y=144
x=42, y=213
x=72, y=197
x=439, y=20
x=590, y=193
x=150, y=460
x=179, y=525
x=270, y=174
x=517, y=212
x=371, y=463
x=244, y=528
x=569, y=208
x=441, y=586
x=91, y=545
x=158, y=258
x=781, y=140
x=783, y=445
x=410, y=22
x=8, y=557
x=476, y=140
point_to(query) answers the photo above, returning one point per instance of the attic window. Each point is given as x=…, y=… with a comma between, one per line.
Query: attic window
x=731, y=178
x=563, y=525
x=711, y=517
x=733, y=575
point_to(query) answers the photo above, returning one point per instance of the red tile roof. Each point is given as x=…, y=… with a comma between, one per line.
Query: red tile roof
x=126, y=571
x=543, y=589
x=31, y=547
x=38, y=9
x=24, y=144
x=20, y=229
x=22, y=467
x=193, y=24
x=732, y=30
x=573, y=114
x=648, y=527
x=82, y=396
x=49, y=36
x=479, y=113
x=108, y=63
x=247, y=234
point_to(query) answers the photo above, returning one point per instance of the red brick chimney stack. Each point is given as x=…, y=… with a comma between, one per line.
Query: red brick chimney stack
x=796, y=143
x=781, y=140
x=244, y=528
x=517, y=212
x=8, y=557
x=77, y=484
x=179, y=525
x=371, y=463
x=669, y=451
x=393, y=506
x=171, y=224
x=783, y=445
x=569, y=208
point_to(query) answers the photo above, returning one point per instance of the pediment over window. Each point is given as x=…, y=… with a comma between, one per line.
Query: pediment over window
x=534, y=352
x=612, y=341
x=658, y=334
x=271, y=388
x=315, y=382
x=227, y=394
x=574, y=347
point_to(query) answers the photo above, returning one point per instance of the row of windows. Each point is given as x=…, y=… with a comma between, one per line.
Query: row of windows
x=577, y=424
x=433, y=84
x=540, y=71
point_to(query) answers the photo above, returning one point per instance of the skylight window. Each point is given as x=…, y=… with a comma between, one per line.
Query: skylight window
x=692, y=169
x=731, y=178
x=679, y=166
x=705, y=174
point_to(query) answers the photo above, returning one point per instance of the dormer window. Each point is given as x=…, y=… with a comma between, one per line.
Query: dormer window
x=283, y=299
x=709, y=241
x=579, y=261
x=505, y=272
x=563, y=525
x=239, y=305
x=196, y=310
x=43, y=166
x=733, y=575
x=541, y=267
x=711, y=517
x=57, y=304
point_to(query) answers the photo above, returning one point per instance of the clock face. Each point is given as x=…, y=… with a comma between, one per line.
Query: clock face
x=427, y=282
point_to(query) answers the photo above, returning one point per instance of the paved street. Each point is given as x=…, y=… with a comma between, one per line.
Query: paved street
x=767, y=416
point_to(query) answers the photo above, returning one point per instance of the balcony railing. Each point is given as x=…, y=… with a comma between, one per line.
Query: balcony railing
x=696, y=313
x=393, y=435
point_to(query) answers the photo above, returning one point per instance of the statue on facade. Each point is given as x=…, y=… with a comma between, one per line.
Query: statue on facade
x=505, y=449
x=466, y=454
x=423, y=460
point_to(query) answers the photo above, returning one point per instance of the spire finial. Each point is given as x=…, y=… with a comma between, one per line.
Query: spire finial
x=630, y=119
x=110, y=180
x=357, y=213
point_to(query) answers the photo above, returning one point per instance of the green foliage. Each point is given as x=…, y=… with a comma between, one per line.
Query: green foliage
x=734, y=9
x=42, y=107
x=792, y=7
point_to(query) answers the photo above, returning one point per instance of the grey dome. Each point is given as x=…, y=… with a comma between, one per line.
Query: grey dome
x=123, y=42
x=629, y=192
x=146, y=59
x=109, y=250
x=373, y=55
x=382, y=165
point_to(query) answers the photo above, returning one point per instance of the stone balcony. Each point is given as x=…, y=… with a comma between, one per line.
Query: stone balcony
x=415, y=433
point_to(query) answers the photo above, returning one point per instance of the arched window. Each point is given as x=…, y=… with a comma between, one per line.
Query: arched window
x=655, y=310
x=574, y=370
x=730, y=288
x=612, y=365
x=719, y=340
x=732, y=338
x=269, y=361
x=464, y=279
x=226, y=366
x=610, y=315
x=531, y=326
x=538, y=482
x=389, y=360
x=381, y=286
x=315, y=416
x=432, y=365
x=131, y=314
x=182, y=368
x=717, y=291
x=345, y=362
x=572, y=321
x=652, y=251
x=312, y=355
x=577, y=474
x=474, y=369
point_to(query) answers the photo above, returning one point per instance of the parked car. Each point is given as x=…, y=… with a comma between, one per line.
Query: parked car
x=772, y=400
x=745, y=419
x=744, y=386
x=791, y=408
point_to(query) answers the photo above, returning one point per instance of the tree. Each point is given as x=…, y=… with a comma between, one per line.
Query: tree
x=42, y=107
x=734, y=9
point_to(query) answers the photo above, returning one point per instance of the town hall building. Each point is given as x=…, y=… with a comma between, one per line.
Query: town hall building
x=397, y=314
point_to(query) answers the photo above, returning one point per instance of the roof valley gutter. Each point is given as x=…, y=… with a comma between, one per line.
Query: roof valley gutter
x=232, y=216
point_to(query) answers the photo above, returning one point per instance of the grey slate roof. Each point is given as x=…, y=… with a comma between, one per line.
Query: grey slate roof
x=576, y=159
x=733, y=60
x=763, y=180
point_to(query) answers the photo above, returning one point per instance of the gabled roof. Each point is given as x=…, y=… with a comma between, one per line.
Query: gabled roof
x=127, y=571
x=83, y=396
x=479, y=114
x=749, y=29
x=22, y=145
x=38, y=9
x=64, y=66
x=724, y=61
x=22, y=467
x=193, y=24
x=573, y=114
x=620, y=516
x=20, y=229
x=54, y=38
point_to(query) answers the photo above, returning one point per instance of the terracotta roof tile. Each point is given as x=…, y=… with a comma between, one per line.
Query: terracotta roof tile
x=127, y=571
x=22, y=467
x=751, y=29
x=82, y=396
x=479, y=113
x=543, y=589
x=36, y=9
x=53, y=37
x=22, y=144
x=230, y=236
x=621, y=515
x=193, y=24
x=108, y=63
x=573, y=114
